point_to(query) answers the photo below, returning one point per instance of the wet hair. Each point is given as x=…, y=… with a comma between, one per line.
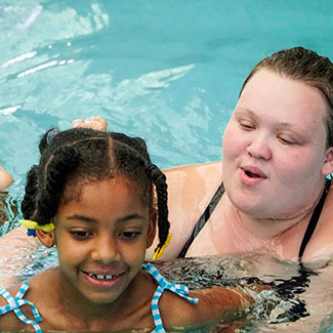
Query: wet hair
x=72, y=158
x=307, y=66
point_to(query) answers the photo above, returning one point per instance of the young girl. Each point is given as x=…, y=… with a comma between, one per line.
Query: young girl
x=92, y=196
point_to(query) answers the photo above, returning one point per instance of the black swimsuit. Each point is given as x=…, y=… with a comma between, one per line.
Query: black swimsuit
x=218, y=195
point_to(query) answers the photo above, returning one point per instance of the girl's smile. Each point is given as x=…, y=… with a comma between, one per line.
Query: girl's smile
x=102, y=280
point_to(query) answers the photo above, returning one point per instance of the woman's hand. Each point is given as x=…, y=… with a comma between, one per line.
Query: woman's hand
x=96, y=123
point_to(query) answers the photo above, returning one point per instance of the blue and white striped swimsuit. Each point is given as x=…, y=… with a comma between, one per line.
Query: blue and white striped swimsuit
x=14, y=303
x=163, y=284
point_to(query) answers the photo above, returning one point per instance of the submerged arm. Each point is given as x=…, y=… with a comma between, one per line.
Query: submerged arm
x=217, y=304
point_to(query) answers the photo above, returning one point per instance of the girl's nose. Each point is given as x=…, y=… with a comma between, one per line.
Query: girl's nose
x=105, y=250
x=259, y=148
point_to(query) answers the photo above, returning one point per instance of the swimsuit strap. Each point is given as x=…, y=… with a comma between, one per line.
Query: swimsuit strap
x=14, y=304
x=203, y=219
x=313, y=221
x=164, y=284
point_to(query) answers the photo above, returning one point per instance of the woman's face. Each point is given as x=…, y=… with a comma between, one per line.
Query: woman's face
x=281, y=123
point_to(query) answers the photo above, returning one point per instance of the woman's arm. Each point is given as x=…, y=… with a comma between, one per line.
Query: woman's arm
x=5, y=179
x=217, y=304
x=16, y=249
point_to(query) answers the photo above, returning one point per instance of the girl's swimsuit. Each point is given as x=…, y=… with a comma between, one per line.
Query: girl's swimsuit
x=218, y=195
x=14, y=303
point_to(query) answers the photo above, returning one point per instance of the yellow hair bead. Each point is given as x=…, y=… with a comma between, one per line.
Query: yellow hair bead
x=159, y=251
x=34, y=225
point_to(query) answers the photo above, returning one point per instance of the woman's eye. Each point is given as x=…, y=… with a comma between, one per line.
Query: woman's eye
x=287, y=141
x=80, y=234
x=246, y=125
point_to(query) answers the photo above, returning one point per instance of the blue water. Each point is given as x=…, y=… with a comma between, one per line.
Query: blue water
x=169, y=71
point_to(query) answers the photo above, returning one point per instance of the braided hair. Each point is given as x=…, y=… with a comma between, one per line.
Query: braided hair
x=83, y=155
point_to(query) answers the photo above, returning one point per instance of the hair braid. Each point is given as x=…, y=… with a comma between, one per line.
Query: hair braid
x=159, y=180
x=156, y=175
x=60, y=165
x=28, y=204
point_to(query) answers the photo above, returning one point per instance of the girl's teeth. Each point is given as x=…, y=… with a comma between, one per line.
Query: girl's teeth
x=102, y=277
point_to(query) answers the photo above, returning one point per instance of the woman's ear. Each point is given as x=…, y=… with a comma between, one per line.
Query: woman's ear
x=327, y=168
x=151, y=228
x=46, y=237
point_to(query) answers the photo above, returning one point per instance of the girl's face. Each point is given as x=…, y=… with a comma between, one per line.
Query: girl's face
x=281, y=122
x=102, y=237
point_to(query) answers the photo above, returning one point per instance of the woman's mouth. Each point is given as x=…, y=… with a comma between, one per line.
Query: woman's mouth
x=251, y=174
x=253, y=171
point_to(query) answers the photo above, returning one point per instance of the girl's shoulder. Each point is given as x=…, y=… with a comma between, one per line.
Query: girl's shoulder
x=9, y=301
x=29, y=290
x=25, y=297
x=6, y=294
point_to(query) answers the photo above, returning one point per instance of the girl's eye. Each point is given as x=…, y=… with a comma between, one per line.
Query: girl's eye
x=81, y=234
x=129, y=234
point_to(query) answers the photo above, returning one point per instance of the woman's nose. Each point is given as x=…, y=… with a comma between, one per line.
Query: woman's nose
x=259, y=148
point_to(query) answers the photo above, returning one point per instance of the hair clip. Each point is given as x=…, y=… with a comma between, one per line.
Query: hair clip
x=34, y=225
x=159, y=251
x=51, y=134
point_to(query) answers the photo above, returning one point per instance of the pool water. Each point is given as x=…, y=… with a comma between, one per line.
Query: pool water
x=169, y=71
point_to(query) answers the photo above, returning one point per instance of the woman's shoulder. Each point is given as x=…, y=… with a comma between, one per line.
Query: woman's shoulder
x=194, y=170
x=190, y=189
x=321, y=242
x=193, y=186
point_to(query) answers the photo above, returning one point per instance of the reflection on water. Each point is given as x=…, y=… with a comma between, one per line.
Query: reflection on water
x=8, y=212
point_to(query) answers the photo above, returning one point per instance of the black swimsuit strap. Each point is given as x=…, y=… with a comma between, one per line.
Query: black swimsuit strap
x=314, y=220
x=203, y=219
x=217, y=196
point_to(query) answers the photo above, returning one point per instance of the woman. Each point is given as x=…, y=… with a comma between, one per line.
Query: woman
x=277, y=153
